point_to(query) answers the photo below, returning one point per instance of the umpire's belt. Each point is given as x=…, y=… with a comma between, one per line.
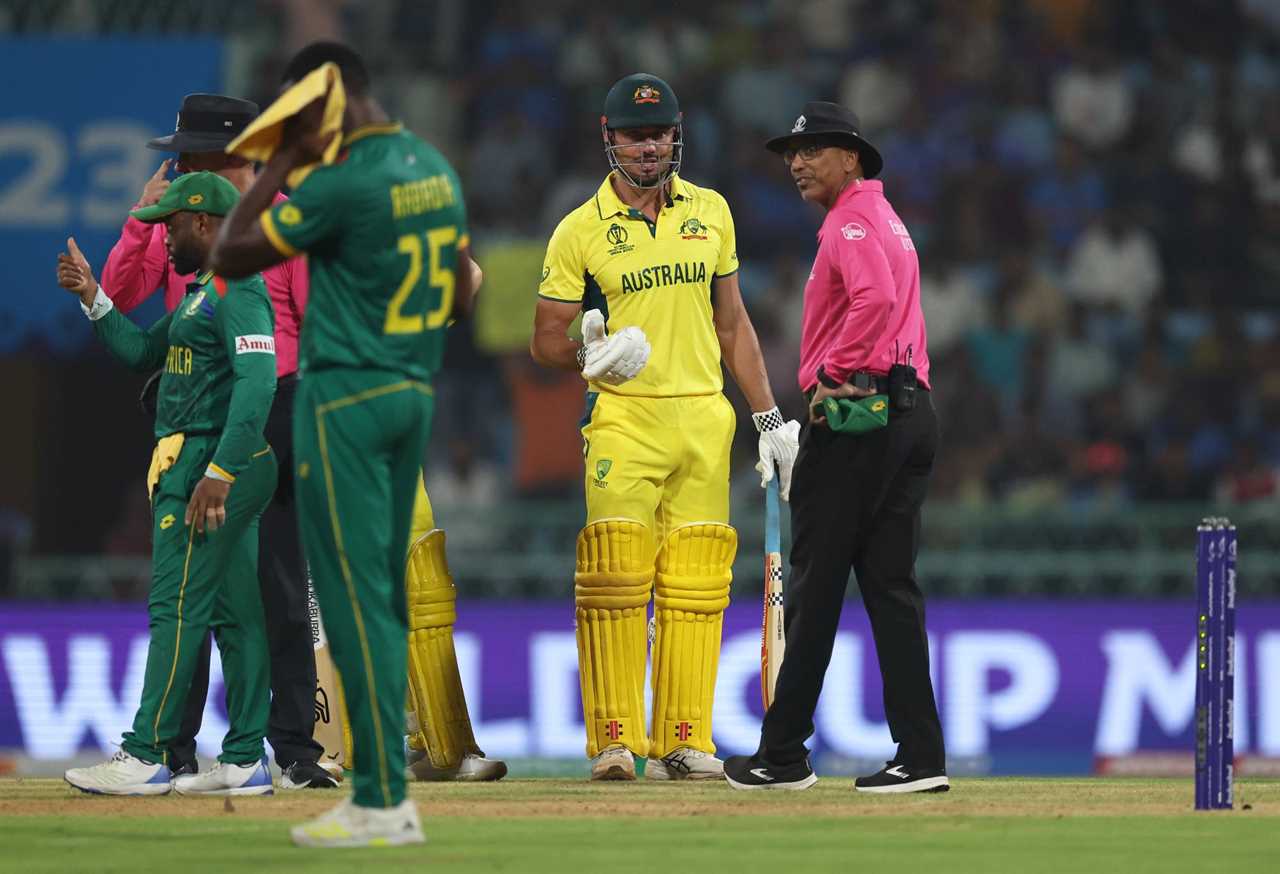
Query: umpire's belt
x=860, y=379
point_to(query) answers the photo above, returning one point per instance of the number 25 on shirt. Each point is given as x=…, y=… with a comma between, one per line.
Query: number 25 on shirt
x=438, y=277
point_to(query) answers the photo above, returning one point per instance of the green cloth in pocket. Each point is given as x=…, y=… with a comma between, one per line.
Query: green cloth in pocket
x=856, y=415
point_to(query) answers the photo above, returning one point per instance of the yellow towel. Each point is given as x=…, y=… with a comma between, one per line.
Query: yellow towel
x=163, y=457
x=260, y=139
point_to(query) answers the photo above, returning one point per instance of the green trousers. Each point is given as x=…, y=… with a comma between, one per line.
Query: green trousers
x=358, y=443
x=200, y=581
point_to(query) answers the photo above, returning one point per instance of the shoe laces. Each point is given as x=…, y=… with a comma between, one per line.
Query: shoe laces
x=120, y=756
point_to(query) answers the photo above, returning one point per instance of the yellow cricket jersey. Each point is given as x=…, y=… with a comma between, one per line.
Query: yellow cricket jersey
x=654, y=275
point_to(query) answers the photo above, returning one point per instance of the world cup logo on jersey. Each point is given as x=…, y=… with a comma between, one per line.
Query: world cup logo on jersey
x=617, y=237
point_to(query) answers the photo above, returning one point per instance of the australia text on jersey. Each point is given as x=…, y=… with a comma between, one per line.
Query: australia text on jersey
x=659, y=275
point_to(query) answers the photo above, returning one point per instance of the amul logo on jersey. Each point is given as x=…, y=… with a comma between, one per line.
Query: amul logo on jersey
x=263, y=343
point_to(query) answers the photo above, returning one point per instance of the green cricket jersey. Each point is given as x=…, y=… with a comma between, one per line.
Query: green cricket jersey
x=381, y=228
x=218, y=353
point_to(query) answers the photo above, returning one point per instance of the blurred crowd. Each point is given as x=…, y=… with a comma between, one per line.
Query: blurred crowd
x=1093, y=188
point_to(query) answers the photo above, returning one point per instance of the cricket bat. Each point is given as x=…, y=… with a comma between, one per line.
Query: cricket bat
x=772, y=637
x=330, y=728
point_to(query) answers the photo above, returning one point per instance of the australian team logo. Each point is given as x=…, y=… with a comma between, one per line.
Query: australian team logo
x=692, y=229
x=647, y=94
x=617, y=237
x=603, y=466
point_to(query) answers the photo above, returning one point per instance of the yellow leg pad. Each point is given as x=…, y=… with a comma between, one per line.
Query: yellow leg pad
x=692, y=592
x=435, y=687
x=611, y=594
x=348, y=745
x=424, y=519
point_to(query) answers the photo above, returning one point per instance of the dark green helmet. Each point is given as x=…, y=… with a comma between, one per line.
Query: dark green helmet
x=642, y=100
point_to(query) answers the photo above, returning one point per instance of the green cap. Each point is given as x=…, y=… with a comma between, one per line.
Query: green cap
x=192, y=192
x=856, y=415
x=640, y=100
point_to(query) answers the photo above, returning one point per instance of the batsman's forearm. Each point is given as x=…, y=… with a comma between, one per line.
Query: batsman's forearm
x=555, y=350
x=745, y=362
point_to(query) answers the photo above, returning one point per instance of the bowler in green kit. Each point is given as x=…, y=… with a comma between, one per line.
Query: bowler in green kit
x=212, y=473
x=384, y=229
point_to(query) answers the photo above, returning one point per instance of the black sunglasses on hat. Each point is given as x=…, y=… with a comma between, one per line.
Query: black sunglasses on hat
x=207, y=123
x=828, y=124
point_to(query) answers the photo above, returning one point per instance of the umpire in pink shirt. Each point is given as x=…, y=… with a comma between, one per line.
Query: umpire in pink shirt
x=859, y=481
x=138, y=267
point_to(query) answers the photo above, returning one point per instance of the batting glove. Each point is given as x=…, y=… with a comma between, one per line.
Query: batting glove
x=613, y=359
x=779, y=445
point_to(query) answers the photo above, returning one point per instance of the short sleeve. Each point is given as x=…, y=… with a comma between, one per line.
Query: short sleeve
x=312, y=215
x=726, y=261
x=563, y=270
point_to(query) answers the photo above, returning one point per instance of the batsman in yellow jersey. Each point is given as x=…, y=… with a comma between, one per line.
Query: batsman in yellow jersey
x=651, y=262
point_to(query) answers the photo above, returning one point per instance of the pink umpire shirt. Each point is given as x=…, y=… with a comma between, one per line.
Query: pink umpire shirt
x=862, y=300
x=139, y=264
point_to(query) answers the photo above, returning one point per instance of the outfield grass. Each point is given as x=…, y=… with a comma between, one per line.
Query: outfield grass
x=982, y=825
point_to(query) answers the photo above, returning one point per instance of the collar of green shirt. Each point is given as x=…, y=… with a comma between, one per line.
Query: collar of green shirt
x=609, y=204
x=199, y=281
x=371, y=130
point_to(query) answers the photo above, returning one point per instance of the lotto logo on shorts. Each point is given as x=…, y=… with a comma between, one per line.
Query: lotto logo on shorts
x=263, y=343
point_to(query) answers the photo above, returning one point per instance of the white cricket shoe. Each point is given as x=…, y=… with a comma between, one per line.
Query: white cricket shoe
x=227, y=779
x=122, y=774
x=350, y=826
x=615, y=762
x=684, y=763
x=474, y=768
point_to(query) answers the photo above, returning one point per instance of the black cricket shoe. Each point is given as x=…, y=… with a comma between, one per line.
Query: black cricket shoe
x=181, y=768
x=308, y=775
x=753, y=772
x=894, y=777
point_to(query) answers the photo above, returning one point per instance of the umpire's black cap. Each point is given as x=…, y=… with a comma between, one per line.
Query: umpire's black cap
x=831, y=121
x=207, y=123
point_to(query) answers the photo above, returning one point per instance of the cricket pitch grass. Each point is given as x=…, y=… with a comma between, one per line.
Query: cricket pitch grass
x=575, y=827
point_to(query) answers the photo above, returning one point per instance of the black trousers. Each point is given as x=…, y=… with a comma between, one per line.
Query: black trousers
x=283, y=579
x=855, y=504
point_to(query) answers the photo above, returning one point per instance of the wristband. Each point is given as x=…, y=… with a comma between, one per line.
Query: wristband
x=581, y=357
x=769, y=420
x=100, y=307
x=215, y=472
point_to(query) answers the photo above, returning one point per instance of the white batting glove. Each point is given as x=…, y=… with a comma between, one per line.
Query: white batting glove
x=613, y=359
x=779, y=445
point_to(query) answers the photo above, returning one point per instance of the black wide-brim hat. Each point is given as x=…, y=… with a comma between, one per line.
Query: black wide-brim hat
x=207, y=123
x=833, y=122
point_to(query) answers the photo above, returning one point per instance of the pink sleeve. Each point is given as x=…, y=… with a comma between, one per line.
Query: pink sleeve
x=137, y=266
x=868, y=284
x=299, y=286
